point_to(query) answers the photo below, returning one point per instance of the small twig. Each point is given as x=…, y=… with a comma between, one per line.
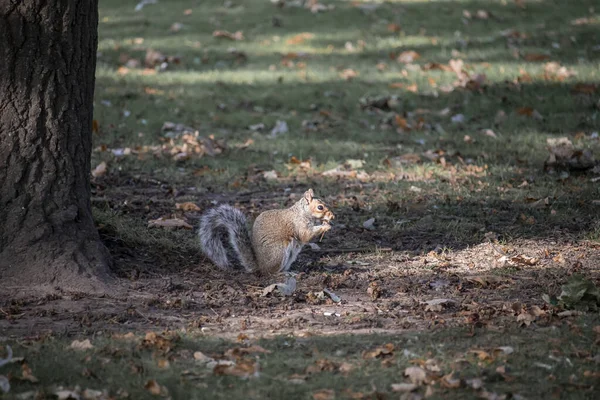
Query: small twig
x=143, y=316
x=495, y=248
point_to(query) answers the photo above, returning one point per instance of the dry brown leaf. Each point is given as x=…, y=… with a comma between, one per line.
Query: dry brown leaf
x=169, y=223
x=348, y=74
x=100, y=170
x=525, y=260
x=300, y=38
x=448, y=381
x=379, y=352
x=322, y=365
x=163, y=363
x=394, y=28
x=95, y=126
x=240, y=351
x=525, y=318
x=27, y=374
x=482, y=354
x=404, y=387
x=534, y=57
x=239, y=35
x=402, y=123
x=81, y=345
x=155, y=389
x=324, y=394
x=187, y=206
x=408, y=57
x=416, y=375
x=242, y=369
x=584, y=88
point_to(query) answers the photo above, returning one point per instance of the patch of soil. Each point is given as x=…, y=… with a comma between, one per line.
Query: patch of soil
x=486, y=285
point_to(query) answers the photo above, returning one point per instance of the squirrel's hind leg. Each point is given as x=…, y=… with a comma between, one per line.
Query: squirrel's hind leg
x=290, y=255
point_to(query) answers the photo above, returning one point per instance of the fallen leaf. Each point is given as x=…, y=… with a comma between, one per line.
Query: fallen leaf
x=239, y=35
x=154, y=388
x=393, y=28
x=437, y=304
x=379, y=352
x=404, y=387
x=201, y=357
x=584, y=88
x=448, y=381
x=242, y=369
x=525, y=260
x=187, y=206
x=100, y=170
x=324, y=394
x=534, y=57
x=408, y=57
x=416, y=375
x=348, y=74
x=299, y=38
x=82, y=345
x=169, y=223
x=27, y=374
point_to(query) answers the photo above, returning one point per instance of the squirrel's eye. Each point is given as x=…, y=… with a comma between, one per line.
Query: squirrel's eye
x=320, y=208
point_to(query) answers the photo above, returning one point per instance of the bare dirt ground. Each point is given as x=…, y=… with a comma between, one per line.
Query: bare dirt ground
x=384, y=285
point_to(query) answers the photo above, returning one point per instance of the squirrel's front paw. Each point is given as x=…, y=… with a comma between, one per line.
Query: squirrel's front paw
x=325, y=226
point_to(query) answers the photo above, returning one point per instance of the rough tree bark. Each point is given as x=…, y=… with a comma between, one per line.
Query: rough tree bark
x=47, y=236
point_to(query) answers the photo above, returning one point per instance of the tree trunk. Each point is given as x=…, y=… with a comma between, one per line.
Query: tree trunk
x=47, y=235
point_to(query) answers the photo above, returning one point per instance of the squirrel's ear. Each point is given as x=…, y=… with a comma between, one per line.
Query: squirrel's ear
x=308, y=195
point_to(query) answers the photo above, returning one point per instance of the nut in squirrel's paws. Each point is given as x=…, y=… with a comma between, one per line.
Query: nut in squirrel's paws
x=328, y=217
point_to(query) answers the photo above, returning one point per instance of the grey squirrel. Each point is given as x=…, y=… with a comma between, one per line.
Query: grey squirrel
x=277, y=235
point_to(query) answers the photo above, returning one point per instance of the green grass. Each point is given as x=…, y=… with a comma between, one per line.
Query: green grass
x=547, y=361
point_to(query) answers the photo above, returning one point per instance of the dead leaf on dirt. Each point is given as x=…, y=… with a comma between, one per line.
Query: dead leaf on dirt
x=287, y=288
x=437, y=304
x=380, y=352
x=323, y=394
x=81, y=344
x=369, y=224
x=201, y=357
x=525, y=318
x=524, y=260
x=485, y=280
x=100, y=170
x=416, y=375
x=187, y=206
x=169, y=223
x=155, y=388
x=404, y=387
x=239, y=35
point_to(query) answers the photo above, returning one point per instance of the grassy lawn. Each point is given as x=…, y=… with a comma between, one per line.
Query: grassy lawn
x=430, y=117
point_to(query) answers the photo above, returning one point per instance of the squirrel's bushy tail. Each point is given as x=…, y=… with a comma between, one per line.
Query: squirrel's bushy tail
x=221, y=224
